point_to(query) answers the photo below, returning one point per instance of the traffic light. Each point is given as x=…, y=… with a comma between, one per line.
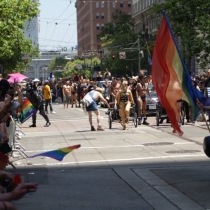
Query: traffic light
x=25, y=61
x=113, y=56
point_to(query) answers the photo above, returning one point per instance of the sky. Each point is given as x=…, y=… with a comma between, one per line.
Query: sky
x=58, y=28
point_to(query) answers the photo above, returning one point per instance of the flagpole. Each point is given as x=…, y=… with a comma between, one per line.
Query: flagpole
x=183, y=63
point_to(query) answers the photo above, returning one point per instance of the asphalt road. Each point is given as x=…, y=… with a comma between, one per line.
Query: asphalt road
x=146, y=167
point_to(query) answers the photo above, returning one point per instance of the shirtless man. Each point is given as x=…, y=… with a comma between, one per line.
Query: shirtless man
x=141, y=91
x=66, y=94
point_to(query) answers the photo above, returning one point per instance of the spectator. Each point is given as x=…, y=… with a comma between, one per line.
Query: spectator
x=107, y=74
x=48, y=97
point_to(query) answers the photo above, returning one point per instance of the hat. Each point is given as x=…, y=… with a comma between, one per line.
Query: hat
x=144, y=77
x=99, y=90
x=46, y=81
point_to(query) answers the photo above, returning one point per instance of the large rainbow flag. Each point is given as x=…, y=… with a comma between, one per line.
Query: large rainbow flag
x=171, y=78
x=58, y=154
x=26, y=111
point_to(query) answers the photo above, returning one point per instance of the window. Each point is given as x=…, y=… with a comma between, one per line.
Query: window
x=97, y=4
x=129, y=4
x=102, y=4
x=113, y=4
x=97, y=15
x=98, y=37
x=102, y=15
x=102, y=26
x=98, y=26
x=121, y=4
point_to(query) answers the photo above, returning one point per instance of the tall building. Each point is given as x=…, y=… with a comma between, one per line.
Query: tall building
x=91, y=17
x=32, y=30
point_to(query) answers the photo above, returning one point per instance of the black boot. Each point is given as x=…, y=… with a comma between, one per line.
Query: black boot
x=139, y=121
x=32, y=125
x=145, y=121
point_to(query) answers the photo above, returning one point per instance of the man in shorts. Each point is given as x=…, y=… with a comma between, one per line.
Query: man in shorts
x=66, y=94
x=95, y=95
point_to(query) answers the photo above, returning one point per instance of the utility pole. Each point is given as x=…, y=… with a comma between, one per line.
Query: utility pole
x=139, y=57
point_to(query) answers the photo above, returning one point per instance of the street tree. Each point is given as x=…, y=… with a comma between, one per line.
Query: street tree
x=190, y=22
x=13, y=44
x=83, y=67
x=119, y=35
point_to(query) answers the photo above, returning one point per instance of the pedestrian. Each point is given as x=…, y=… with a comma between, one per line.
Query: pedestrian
x=93, y=96
x=66, y=94
x=47, y=97
x=107, y=74
x=124, y=101
x=142, y=89
x=74, y=87
x=36, y=100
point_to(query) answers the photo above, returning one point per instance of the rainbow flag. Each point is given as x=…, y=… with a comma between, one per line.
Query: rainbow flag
x=59, y=153
x=26, y=111
x=166, y=65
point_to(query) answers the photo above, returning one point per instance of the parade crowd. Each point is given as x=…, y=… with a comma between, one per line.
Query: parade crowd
x=79, y=92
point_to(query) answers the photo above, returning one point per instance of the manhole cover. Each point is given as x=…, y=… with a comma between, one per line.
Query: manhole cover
x=158, y=144
x=184, y=151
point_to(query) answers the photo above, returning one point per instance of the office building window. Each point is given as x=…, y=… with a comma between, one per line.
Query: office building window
x=102, y=4
x=98, y=26
x=97, y=15
x=97, y=4
x=102, y=26
x=114, y=4
x=102, y=15
x=121, y=4
x=98, y=37
x=129, y=4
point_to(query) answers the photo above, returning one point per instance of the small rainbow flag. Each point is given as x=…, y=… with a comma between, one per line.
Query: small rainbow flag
x=59, y=153
x=26, y=111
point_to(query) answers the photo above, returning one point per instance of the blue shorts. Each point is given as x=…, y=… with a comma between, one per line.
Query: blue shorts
x=92, y=107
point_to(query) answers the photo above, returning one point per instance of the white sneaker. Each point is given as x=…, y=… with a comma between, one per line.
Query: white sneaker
x=52, y=112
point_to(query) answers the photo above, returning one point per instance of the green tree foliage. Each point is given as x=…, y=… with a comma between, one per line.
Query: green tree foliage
x=118, y=35
x=190, y=22
x=71, y=69
x=13, y=44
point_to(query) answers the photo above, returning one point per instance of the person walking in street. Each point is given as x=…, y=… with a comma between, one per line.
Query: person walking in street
x=141, y=90
x=124, y=101
x=66, y=94
x=47, y=97
x=94, y=96
x=74, y=87
x=36, y=99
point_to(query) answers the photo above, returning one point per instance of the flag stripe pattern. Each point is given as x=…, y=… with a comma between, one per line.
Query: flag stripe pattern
x=58, y=154
x=165, y=80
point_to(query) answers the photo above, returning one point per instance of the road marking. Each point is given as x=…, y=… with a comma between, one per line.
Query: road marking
x=119, y=160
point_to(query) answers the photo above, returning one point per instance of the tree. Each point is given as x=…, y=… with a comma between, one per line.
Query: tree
x=13, y=44
x=190, y=22
x=118, y=35
x=71, y=67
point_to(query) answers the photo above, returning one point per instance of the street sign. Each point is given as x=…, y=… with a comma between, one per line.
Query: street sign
x=122, y=55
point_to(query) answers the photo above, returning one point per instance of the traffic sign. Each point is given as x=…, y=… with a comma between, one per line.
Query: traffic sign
x=122, y=55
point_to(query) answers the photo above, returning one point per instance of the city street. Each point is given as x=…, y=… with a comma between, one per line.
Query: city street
x=146, y=167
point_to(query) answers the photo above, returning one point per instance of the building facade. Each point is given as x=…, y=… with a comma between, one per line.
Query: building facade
x=91, y=17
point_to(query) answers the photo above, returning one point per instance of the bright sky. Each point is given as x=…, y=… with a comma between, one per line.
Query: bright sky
x=57, y=24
